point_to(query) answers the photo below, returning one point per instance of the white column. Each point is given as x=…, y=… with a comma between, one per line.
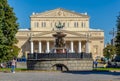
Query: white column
x=72, y=50
x=87, y=47
x=79, y=48
x=63, y=51
x=31, y=45
x=40, y=47
x=48, y=47
x=55, y=51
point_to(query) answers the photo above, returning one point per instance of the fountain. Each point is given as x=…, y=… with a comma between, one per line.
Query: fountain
x=59, y=58
x=59, y=40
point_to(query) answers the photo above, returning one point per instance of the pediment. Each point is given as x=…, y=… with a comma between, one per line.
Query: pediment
x=50, y=33
x=59, y=13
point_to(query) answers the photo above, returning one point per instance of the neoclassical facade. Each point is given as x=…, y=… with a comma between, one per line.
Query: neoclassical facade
x=80, y=37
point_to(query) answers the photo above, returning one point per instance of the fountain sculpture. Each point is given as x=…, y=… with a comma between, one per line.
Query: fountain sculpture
x=59, y=40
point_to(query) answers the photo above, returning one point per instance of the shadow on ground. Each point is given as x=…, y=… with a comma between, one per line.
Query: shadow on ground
x=94, y=72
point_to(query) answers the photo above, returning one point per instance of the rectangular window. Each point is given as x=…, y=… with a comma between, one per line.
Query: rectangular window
x=75, y=24
x=68, y=24
x=43, y=24
x=64, y=24
x=36, y=24
x=82, y=24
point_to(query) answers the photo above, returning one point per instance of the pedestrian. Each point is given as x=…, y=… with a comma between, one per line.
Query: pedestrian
x=96, y=63
x=13, y=65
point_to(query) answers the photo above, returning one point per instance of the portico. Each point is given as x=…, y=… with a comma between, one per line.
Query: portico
x=46, y=46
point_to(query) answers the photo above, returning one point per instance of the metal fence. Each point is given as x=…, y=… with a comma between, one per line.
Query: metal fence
x=59, y=55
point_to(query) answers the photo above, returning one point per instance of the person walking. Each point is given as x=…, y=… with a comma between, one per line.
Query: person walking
x=13, y=65
x=95, y=63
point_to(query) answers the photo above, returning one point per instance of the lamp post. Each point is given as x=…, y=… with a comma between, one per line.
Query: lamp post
x=113, y=32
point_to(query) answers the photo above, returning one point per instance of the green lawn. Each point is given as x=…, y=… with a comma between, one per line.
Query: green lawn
x=106, y=69
x=9, y=69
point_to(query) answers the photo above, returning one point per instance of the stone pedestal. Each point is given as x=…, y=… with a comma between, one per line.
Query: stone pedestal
x=59, y=42
x=61, y=50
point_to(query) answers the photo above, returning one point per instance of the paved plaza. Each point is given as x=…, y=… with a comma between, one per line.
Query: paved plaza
x=60, y=76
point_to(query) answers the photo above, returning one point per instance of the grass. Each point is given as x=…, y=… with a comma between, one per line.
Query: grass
x=9, y=69
x=106, y=69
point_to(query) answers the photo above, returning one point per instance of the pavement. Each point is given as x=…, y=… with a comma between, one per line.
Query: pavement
x=60, y=76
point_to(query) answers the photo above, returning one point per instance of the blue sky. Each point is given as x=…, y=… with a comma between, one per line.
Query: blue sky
x=102, y=12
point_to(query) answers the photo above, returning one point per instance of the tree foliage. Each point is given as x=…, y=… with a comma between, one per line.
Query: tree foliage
x=8, y=29
x=109, y=51
x=117, y=42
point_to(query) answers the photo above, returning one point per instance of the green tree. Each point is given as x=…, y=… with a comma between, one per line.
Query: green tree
x=8, y=29
x=117, y=42
x=109, y=51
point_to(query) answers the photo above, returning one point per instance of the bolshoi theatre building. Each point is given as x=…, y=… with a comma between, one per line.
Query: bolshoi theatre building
x=79, y=36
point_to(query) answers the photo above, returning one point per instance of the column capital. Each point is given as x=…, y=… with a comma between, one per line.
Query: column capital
x=88, y=41
x=39, y=40
x=30, y=40
x=72, y=40
x=47, y=41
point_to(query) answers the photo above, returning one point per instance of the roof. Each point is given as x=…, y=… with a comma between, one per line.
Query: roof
x=95, y=29
x=59, y=12
x=23, y=29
